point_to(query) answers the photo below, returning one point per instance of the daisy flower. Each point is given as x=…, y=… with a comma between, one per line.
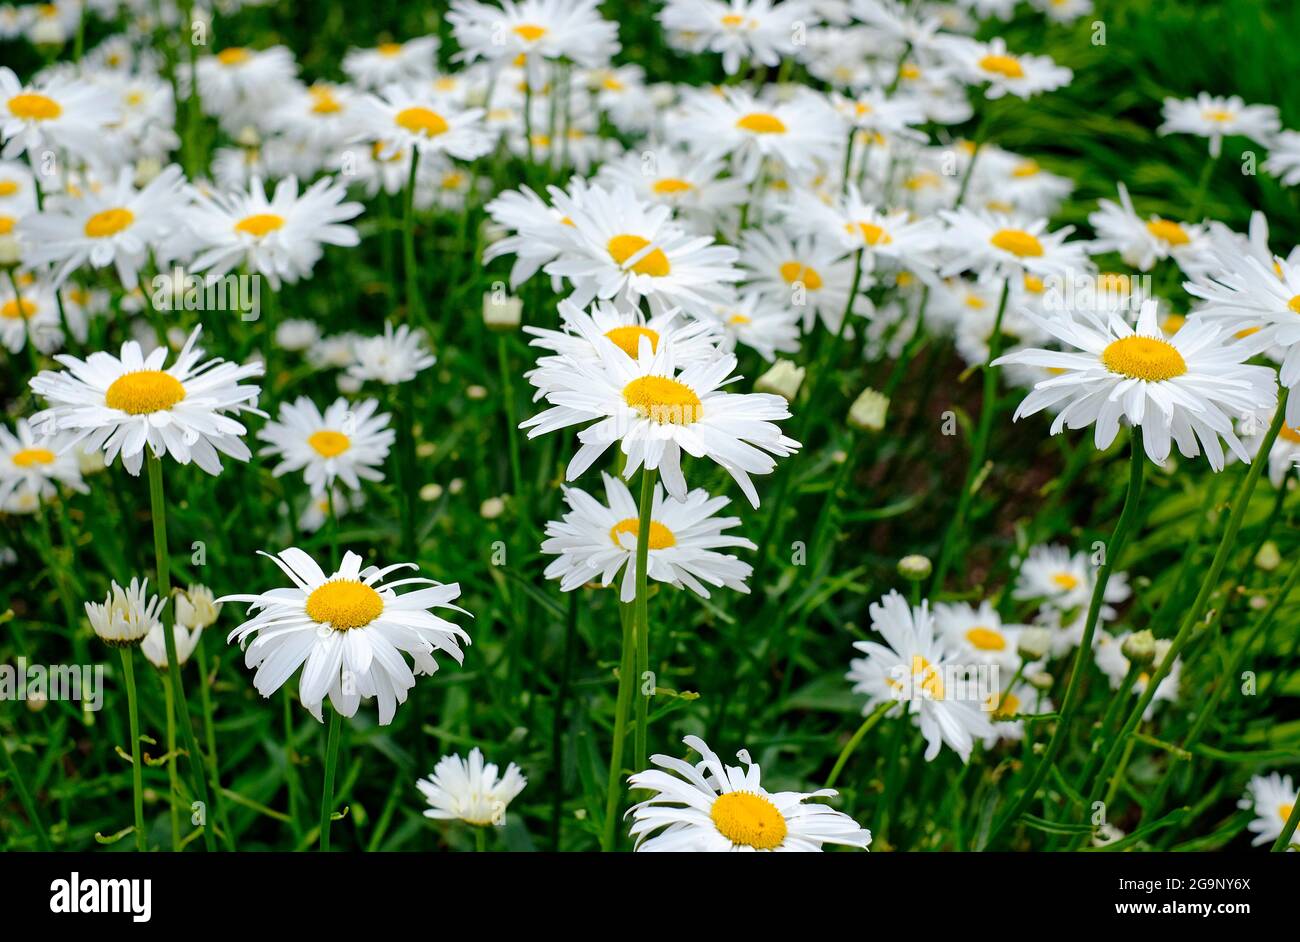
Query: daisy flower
x=32, y=314
x=1141, y=243
x=1285, y=453
x=117, y=225
x=1272, y=798
x=1111, y=661
x=318, y=117
x=347, y=442
x=235, y=84
x=916, y=668
x=733, y=123
x=1210, y=116
x=1007, y=246
x=712, y=807
x=1065, y=580
x=1063, y=11
x=122, y=404
x=695, y=189
x=393, y=63
x=394, y=357
x=1187, y=387
x=127, y=615
x=317, y=512
x=1005, y=704
x=760, y=323
x=896, y=235
x=1243, y=295
x=594, y=541
x=35, y=465
x=979, y=634
x=1283, y=159
x=470, y=790
x=753, y=31
x=542, y=232
x=154, y=645
x=811, y=275
x=279, y=238
x=623, y=249
x=400, y=117
x=62, y=112
x=348, y=631
x=537, y=29
x=1005, y=72
x=657, y=413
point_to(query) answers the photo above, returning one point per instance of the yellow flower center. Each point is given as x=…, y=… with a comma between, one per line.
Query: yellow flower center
x=344, y=604
x=798, y=273
x=1173, y=323
x=7, y=224
x=740, y=320
x=748, y=819
x=653, y=263
x=871, y=233
x=672, y=185
x=8, y=187
x=143, y=392
x=108, y=223
x=660, y=536
x=931, y=681
x=1006, y=66
x=1018, y=242
x=529, y=32
x=628, y=339
x=666, y=401
x=324, y=101
x=329, y=443
x=1294, y=304
x=1144, y=358
x=1006, y=706
x=1034, y=284
x=1218, y=115
x=1113, y=281
x=1065, y=580
x=760, y=122
x=1166, y=230
x=1290, y=434
x=15, y=308
x=986, y=639
x=259, y=224
x=1029, y=168
x=922, y=180
x=975, y=302
x=32, y=106
x=389, y=49
x=733, y=20
x=235, y=55
x=1284, y=811
x=1246, y=332
x=32, y=456
x=419, y=120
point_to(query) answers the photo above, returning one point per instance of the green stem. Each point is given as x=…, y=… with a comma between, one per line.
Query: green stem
x=137, y=766
x=158, y=511
x=1284, y=839
x=1083, y=659
x=25, y=797
x=173, y=782
x=872, y=719
x=621, y=707
x=414, y=304
x=331, y=766
x=642, y=613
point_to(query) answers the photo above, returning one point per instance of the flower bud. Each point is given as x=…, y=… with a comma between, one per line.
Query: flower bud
x=914, y=568
x=502, y=314
x=1041, y=680
x=782, y=379
x=1139, y=648
x=1268, y=558
x=1034, y=643
x=867, y=414
x=492, y=508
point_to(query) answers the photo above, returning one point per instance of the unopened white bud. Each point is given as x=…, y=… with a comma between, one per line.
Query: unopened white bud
x=782, y=379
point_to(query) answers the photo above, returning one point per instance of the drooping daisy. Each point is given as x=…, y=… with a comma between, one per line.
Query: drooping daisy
x=656, y=413
x=348, y=631
x=279, y=238
x=62, y=112
x=536, y=29
x=713, y=807
x=1065, y=580
x=1214, y=117
x=117, y=225
x=391, y=63
x=1285, y=453
x=124, y=404
x=154, y=645
x=395, y=356
x=127, y=615
x=594, y=541
x=809, y=274
x=623, y=249
x=979, y=634
x=337, y=500
x=1111, y=661
x=1004, y=706
x=400, y=117
x=753, y=31
x=1188, y=387
x=470, y=790
x=1272, y=798
x=1007, y=246
x=916, y=668
x=35, y=465
x=348, y=442
x=796, y=133
x=1141, y=243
